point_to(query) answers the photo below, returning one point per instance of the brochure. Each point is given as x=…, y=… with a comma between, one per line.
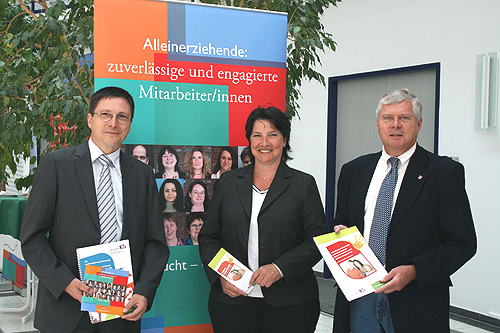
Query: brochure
x=353, y=264
x=232, y=270
x=107, y=269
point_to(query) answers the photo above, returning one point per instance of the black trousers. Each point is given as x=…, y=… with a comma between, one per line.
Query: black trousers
x=255, y=315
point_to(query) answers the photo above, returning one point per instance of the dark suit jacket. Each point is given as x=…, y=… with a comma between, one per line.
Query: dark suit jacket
x=292, y=213
x=63, y=202
x=431, y=227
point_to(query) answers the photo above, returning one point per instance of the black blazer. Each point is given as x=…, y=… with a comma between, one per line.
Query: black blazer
x=63, y=203
x=431, y=227
x=292, y=213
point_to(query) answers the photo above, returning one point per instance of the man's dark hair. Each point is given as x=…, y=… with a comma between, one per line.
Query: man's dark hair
x=145, y=148
x=129, y=150
x=108, y=92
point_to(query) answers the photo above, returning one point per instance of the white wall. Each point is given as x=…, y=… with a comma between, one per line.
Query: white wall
x=381, y=34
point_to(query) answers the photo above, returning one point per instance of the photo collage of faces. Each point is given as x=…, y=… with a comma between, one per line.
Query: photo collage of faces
x=106, y=291
x=186, y=176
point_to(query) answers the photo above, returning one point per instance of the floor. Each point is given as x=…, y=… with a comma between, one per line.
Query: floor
x=11, y=322
x=458, y=325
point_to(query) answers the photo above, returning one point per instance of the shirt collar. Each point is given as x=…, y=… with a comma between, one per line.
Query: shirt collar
x=403, y=158
x=95, y=152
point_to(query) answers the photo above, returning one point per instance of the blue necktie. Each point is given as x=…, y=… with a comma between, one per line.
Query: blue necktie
x=383, y=210
x=106, y=203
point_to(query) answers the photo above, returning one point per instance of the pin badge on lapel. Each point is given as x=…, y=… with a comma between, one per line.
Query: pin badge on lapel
x=420, y=177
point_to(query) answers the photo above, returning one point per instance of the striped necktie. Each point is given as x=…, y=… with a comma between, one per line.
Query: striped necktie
x=383, y=211
x=106, y=203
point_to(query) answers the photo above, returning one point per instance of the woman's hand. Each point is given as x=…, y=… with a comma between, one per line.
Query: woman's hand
x=265, y=276
x=339, y=227
x=230, y=290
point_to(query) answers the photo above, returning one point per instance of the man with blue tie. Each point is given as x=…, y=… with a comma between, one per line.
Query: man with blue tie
x=88, y=195
x=412, y=208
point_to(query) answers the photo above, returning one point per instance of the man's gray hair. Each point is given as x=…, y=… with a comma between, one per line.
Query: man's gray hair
x=398, y=96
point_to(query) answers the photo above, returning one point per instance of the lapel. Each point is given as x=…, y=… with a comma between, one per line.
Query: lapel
x=128, y=187
x=280, y=182
x=85, y=175
x=361, y=185
x=411, y=186
x=244, y=188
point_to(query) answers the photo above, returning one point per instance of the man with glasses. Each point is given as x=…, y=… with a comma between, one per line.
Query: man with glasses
x=84, y=196
x=412, y=208
x=141, y=153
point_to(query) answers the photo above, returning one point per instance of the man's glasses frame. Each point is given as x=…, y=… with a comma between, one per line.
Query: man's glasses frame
x=121, y=118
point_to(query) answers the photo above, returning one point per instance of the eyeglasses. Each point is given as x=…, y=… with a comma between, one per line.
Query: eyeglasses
x=120, y=118
x=198, y=226
x=142, y=158
x=200, y=192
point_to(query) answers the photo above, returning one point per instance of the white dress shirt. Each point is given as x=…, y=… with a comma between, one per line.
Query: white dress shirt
x=116, y=178
x=382, y=169
x=253, y=237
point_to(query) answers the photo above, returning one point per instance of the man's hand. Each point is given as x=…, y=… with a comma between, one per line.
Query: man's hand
x=339, y=227
x=76, y=288
x=230, y=290
x=266, y=275
x=140, y=303
x=398, y=278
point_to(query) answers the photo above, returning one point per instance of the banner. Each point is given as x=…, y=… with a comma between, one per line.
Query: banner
x=195, y=73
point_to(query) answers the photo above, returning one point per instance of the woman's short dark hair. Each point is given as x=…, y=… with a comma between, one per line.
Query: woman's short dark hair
x=234, y=157
x=171, y=150
x=170, y=217
x=278, y=119
x=190, y=218
x=178, y=204
x=187, y=200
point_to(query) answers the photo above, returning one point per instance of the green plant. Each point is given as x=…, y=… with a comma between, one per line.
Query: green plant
x=45, y=81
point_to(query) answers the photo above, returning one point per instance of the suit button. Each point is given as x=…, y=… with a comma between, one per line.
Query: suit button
x=244, y=242
x=263, y=245
x=262, y=225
